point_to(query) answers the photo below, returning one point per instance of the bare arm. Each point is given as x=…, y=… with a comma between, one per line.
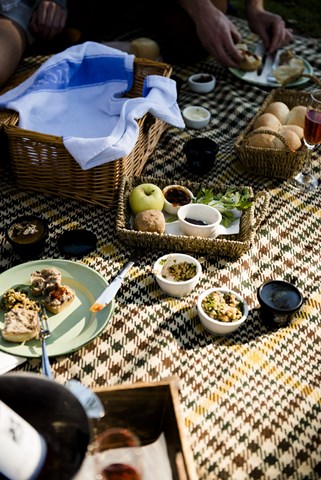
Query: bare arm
x=48, y=19
x=216, y=32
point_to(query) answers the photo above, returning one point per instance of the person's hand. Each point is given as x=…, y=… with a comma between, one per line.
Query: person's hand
x=218, y=36
x=48, y=20
x=270, y=27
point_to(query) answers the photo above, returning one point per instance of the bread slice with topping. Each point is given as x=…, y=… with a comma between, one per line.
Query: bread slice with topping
x=20, y=325
x=59, y=298
x=45, y=280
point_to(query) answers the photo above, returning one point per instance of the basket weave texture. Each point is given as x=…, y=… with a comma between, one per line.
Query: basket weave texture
x=273, y=162
x=41, y=162
x=227, y=245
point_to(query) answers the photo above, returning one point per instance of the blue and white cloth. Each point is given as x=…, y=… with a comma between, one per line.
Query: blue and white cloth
x=77, y=95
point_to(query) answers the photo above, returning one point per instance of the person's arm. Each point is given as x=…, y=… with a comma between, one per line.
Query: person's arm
x=269, y=26
x=216, y=32
x=49, y=18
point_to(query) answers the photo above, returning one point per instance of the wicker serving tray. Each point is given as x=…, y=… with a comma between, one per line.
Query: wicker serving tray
x=226, y=245
x=41, y=163
x=273, y=162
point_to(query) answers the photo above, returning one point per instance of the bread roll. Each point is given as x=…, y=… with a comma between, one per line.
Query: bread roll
x=150, y=221
x=59, y=298
x=291, y=139
x=298, y=130
x=145, y=48
x=42, y=281
x=297, y=116
x=280, y=110
x=20, y=325
x=267, y=120
x=262, y=140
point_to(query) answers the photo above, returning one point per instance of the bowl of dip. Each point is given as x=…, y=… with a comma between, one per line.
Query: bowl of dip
x=198, y=220
x=196, y=117
x=279, y=300
x=27, y=235
x=175, y=196
x=177, y=274
x=201, y=82
x=221, y=310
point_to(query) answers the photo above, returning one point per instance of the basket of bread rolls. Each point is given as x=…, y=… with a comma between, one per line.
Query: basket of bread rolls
x=272, y=143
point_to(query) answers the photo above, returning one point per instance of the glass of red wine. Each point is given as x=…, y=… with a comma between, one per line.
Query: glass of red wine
x=312, y=137
x=117, y=455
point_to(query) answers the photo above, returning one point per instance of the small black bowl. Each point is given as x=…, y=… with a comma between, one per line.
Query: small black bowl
x=200, y=154
x=279, y=300
x=28, y=235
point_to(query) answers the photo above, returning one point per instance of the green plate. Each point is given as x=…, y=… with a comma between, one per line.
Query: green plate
x=261, y=81
x=71, y=328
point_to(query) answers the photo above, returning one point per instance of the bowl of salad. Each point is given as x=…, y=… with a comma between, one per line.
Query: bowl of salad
x=177, y=274
x=221, y=310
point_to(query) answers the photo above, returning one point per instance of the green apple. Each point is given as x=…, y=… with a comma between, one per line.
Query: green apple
x=146, y=196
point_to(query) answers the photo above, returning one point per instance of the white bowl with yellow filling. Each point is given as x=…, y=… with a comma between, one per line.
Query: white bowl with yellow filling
x=177, y=274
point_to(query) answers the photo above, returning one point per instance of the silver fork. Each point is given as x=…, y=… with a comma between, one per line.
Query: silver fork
x=270, y=77
x=44, y=333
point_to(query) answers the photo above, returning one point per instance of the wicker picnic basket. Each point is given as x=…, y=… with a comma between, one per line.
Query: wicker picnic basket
x=226, y=245
x=41, y=163
x=273, y=162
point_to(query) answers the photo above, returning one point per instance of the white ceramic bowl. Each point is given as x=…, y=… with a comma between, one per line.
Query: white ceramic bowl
x=175, y=196
x=199, y=213
x=168, y=285
x=201, y=82
x=196, y=117
x=218, y=327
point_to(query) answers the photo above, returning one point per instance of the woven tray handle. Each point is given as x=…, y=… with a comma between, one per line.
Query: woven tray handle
x=261, y=200
x=269, y=132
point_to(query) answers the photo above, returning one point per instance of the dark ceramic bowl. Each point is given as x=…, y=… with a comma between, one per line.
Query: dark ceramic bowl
x=28, y=235
x=279, y=300
x=200, y=154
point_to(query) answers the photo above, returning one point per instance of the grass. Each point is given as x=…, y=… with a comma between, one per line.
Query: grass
x=303, y=16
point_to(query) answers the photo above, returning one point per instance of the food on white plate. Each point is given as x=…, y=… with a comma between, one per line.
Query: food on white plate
x=280, y=110
x=20, y=324
x=267, y=120
x=250, y=61
x=150, y=221
x=224, y=307
x=45, y=280
x=297, y=116
x=290, y=72
x=16, y=298
x=146, y=196
x=59, y=298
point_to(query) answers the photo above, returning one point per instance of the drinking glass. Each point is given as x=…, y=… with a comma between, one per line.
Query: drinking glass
x=117, y=455
x=312, y=137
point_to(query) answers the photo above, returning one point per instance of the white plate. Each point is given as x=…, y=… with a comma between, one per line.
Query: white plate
x=71, y=328
x=253, y=78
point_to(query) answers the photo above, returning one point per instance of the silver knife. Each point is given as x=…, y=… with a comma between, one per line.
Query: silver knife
x=110, y=292
x=261, y=67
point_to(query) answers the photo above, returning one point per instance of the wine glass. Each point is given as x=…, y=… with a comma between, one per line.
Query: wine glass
x=117, y=455
x=312, y=137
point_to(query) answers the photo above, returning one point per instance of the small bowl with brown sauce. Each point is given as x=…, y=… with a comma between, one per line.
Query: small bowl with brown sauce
x=202, y=82
x=175, y=196
x=198, y=220
x=27, y=235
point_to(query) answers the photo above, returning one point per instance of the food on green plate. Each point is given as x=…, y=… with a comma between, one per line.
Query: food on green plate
x=179, y=271
x=224, y=307
x=16, y=298
x=146, y=196
x=20, y=324
x=45, y=280
x=59, y=298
